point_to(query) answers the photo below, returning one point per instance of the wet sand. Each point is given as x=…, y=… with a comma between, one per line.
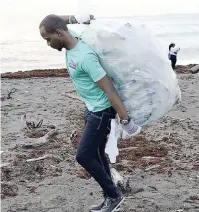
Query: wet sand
x=167, y=181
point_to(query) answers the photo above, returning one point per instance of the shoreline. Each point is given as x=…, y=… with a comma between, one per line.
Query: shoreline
x=61, y=72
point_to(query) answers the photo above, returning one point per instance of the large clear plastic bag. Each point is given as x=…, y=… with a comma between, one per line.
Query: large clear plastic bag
x=136, y=64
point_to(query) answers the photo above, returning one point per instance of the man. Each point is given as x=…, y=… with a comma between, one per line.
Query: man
x=102, y=103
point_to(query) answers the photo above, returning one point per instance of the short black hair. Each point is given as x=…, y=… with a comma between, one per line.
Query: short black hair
x=53, y=22
x=171, y=45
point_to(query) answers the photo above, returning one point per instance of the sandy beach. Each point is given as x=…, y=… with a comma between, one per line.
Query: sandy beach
x=39, y=173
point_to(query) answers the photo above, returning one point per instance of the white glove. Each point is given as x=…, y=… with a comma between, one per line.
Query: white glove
x=131, y=128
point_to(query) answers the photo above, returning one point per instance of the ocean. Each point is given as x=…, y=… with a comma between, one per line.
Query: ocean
x=23, y=49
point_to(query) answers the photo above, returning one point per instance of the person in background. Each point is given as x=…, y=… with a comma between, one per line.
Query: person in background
x=102, y=103
x=173, y=54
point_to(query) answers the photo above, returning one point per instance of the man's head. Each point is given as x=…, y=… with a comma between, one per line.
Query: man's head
x=52, y=29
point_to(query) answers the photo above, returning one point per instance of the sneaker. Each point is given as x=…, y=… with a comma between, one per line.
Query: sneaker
x=96, y=208
x=111, y=204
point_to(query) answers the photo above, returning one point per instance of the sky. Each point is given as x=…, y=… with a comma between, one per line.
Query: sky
x=39, y=8
x=16, y=15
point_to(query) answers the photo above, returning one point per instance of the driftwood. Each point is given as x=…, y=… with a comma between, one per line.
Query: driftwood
x=73, y=96
x=11, y=92
x=32, y=127
x=41, y=141
x=8, y=189
x=117, y=178
x=73, y=135
x=195, y=69
x=2, y=165
x=122, y=184
x=152, y=167
x=31, y=124
x=128, y=148
x=9, y=95
x=57, y=158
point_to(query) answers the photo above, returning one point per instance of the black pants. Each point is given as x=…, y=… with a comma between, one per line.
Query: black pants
x=173, y=61
x=91, y=150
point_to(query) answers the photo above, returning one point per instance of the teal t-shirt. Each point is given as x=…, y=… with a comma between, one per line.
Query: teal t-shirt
x=85, y=70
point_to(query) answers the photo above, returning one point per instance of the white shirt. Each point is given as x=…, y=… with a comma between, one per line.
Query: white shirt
x=174, y=50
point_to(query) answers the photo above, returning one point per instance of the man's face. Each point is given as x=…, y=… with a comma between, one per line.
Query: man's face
x=54, y=40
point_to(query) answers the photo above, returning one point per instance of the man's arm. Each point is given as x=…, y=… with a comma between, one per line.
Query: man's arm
x=92, y=66
x=106, y=85
x=131, y=128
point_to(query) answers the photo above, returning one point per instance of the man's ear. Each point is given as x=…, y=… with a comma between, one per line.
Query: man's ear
x=59, y=32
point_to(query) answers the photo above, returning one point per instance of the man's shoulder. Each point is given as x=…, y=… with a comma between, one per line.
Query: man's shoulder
x=87, y=49
x=84, y=52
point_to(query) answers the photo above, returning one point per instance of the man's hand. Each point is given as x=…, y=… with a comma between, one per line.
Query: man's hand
x=89, y=21
x=68, y=18
x=72, y=19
